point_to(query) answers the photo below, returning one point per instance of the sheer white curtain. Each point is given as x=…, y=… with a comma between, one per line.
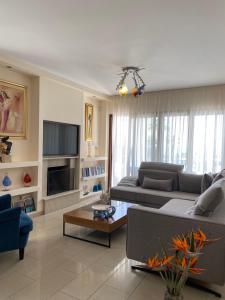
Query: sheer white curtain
x=184, y=126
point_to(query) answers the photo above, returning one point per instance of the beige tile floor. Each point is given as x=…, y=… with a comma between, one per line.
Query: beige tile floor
x=61, y=268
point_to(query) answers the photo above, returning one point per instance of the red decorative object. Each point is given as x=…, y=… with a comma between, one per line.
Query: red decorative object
x=27, y=179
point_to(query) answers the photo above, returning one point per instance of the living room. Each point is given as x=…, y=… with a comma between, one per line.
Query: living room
x=112, y=150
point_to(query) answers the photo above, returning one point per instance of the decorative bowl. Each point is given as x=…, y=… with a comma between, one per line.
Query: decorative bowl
x=103, y=211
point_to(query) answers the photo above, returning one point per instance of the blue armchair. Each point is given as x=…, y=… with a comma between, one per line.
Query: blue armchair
x=15, y=227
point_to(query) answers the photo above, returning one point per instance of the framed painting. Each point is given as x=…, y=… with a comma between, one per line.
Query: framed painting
x=13, y=110
x=89, y=113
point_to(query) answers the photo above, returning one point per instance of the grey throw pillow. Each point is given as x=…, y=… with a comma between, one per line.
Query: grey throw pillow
x=207, y=180
x=218, y=176
x=157, y=184
x=210, y=199
x=190, y=183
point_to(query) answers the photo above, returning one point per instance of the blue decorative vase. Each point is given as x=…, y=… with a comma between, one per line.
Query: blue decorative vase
x=99, y=186
x=6, y=182
x=95, y=188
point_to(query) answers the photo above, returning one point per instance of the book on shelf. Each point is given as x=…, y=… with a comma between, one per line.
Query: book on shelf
x=19, y=203
x=93, y=171
x=26, y=202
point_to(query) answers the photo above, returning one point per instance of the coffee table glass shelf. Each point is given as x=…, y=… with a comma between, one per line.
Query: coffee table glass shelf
x=84, y=217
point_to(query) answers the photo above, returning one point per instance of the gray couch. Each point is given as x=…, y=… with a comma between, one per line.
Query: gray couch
x=165, y=214
x=157, y=198
x=146, y=225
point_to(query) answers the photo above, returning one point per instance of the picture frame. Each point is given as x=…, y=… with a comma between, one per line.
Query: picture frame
x=13, y=110
x=89, y=114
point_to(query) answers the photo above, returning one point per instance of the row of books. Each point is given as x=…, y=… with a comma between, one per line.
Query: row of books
x=26, y=202
x=93, y=171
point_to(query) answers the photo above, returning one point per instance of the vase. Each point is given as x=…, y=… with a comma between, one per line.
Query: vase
x=6, y=182
x=168, y=296
x=27, y=180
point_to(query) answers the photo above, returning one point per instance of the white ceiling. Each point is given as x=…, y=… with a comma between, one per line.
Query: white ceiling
x=181, y=43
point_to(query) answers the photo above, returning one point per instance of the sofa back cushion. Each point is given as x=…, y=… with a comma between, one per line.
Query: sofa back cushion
x=190, y=183
x=161, y=166
x=160, y=171
x=210, y=199
x=157, y=184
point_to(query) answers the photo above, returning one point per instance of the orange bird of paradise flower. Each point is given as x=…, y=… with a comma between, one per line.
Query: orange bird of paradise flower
x=156, y=262
x=180, y=244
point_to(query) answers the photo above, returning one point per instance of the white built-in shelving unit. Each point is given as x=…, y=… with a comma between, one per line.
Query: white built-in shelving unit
x=15, y=170
x=18, y=191
x=93, y=177
x=95, y=158
x=91, y=194
x=19, y=164
x=90, y=181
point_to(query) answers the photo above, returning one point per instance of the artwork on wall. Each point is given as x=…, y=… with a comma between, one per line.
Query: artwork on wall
x=13, y=110
x=89, y=112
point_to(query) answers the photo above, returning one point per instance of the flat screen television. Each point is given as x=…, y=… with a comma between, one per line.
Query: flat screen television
x=60, y=139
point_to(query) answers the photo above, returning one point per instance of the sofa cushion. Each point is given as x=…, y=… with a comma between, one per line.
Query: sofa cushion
x=207, y=180
x=158, y=174
x=152, y=198
x=210, y=199
x=124, y=193
x=177, y=205
x=190, y=183
x=26, y=223
x=157, y=184
x=129, y=181
x=161, y=166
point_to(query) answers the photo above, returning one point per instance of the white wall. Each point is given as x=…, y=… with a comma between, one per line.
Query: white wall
x=59, y=102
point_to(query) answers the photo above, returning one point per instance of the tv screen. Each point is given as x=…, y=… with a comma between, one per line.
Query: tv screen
x=60, y=139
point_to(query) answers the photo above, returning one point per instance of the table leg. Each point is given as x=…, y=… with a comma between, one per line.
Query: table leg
x=108, y=245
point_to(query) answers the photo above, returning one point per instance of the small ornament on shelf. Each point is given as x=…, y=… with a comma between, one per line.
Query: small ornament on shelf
x=105, y=198
x=27, y=180
x=89, y=148
x=85, y=190
x=5, y=149
x=6, y=182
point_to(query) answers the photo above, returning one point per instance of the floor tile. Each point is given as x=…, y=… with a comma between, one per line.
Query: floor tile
x=124, y=279
x=85, y=284
x=46, y=286
x=13, y=283
x=109, y=293
x=61, y=296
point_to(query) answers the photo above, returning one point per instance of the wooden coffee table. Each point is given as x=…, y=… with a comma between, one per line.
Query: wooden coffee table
x=84, y=217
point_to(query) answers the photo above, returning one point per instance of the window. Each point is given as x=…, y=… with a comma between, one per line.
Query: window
x=192, y=139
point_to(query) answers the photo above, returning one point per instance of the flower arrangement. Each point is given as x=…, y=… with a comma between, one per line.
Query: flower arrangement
x=174, y=269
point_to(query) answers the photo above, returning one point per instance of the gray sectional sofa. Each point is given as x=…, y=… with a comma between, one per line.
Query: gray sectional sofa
x=191, y=186
x=164, y=214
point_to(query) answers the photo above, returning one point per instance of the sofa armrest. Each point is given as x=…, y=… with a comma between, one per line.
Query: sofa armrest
x=149, y=227
x=129, y=181
x=5, y=202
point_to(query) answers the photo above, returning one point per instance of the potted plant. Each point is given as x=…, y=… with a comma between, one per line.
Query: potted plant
x=175, y=268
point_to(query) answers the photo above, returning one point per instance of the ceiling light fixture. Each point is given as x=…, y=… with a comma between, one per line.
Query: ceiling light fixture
x=139, y=85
